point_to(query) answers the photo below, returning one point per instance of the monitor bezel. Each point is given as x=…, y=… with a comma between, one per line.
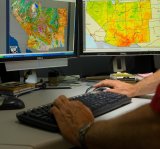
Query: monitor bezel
x=65, y=54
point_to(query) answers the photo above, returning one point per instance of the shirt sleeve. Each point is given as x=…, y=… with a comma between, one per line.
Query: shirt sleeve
x=155, y=103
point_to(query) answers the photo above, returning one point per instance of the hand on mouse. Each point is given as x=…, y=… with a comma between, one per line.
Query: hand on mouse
x=117, y=86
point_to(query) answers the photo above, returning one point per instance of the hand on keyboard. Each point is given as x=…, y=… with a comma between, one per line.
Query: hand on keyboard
x=71, y=115
x=98, y=102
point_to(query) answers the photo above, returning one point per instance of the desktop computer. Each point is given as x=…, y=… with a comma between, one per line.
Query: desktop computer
x=120, y=29
x=37, y=34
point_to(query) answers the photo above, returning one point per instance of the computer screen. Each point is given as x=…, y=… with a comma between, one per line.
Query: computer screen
x=120, y=27
x=37, y=30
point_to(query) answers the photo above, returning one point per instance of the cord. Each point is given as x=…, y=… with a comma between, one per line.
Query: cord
x=88, y=89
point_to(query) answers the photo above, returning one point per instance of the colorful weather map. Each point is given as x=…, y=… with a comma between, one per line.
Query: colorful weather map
x=123, y=23
x=44, y=26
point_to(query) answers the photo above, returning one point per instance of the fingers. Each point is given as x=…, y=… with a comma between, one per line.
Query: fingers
x=57, y=114
x=107, y=82
x=58, y=108
x=63, y=107
x=60, y=101
x=63, y=104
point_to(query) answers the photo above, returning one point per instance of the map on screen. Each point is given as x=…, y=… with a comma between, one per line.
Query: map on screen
x=122, y=23
x=42, y=26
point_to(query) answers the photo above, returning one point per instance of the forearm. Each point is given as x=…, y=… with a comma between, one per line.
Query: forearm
x=132, y=130
x=147, y=85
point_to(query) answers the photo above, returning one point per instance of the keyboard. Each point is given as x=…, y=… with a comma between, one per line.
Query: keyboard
x=99, y=102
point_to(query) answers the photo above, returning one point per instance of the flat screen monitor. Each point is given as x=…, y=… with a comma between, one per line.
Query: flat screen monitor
x=36, y=33
x=120, y=27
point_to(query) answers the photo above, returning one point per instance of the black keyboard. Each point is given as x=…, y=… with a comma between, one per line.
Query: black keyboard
x=98, y=102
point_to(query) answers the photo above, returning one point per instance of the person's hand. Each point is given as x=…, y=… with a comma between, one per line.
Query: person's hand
x=71, y=116
x=117, y=86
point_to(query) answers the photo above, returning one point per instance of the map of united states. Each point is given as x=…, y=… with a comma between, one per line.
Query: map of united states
x=123, y=23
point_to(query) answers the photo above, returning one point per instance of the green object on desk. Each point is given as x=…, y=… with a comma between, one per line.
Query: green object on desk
x=123, y=76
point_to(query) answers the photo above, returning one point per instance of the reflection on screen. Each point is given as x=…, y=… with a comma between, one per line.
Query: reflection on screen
x=121, y=25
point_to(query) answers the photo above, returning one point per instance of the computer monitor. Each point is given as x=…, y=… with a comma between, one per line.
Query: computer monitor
x=120, y=28
x=37, y=33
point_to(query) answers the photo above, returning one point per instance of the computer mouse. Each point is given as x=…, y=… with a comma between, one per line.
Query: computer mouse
x=11, y=103
x=101, y=89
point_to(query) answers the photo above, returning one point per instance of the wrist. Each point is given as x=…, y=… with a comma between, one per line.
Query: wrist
x=135, y=90
x=132, y=92
x=82, y=135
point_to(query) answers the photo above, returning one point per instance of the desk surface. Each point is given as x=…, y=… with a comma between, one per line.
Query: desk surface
x=17, y=136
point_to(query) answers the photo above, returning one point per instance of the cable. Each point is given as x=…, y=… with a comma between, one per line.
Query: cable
x=88, y=89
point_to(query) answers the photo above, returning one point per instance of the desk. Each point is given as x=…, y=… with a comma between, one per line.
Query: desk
x=14, y=135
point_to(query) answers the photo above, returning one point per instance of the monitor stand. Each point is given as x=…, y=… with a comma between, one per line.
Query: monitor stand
x=119, y=64
x=30, y=66
x=30, y=76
